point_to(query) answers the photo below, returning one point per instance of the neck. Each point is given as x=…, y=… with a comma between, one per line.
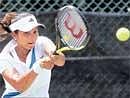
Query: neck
x=22, y=53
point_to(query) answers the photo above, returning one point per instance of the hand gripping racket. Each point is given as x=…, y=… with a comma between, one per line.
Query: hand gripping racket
x=71, y=29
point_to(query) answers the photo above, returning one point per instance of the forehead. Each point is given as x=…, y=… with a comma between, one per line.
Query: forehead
x=33, y=30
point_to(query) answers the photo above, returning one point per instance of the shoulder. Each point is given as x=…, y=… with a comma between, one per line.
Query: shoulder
x=43, y=40
x=44, y=43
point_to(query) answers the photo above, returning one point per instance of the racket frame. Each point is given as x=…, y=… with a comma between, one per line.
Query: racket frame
x=59, y=37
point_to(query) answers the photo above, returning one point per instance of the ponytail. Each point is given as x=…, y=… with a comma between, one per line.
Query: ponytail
x=6, y=21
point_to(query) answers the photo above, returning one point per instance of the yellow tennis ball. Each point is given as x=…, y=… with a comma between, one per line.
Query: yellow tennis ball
x=123, y=34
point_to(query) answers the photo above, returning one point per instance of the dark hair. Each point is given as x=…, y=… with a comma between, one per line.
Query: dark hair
x=6, y=21
x=5, y=27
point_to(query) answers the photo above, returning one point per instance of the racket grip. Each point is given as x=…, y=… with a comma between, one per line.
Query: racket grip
x=55, y=53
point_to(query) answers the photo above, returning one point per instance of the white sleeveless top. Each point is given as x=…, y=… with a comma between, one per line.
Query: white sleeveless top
x=40, y=86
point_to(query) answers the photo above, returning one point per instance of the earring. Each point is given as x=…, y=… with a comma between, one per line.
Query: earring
x=15, y=39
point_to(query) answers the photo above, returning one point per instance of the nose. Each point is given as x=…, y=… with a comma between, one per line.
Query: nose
x=32, y=35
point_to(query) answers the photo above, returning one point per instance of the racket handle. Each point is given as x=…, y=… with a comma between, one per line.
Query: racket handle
x=55, y=53
x=59, y=50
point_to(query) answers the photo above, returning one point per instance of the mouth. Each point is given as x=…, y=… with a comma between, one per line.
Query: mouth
x=31, y=43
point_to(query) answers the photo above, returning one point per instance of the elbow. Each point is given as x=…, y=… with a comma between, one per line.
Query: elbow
x=60, y=62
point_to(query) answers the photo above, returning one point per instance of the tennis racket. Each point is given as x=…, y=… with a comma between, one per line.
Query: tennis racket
x=71, y=29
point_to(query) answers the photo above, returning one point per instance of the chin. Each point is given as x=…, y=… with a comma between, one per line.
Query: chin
x=30, y=47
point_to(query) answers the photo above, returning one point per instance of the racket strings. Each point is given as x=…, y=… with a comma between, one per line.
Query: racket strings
x=71, y=40
x=78, y=43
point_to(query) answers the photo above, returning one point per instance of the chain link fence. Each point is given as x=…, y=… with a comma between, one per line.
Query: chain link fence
x=103, y=29
x=91, y=79
x=104, y=70
x=112, y=6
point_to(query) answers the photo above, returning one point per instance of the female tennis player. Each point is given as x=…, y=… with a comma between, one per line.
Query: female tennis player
x=27, y=60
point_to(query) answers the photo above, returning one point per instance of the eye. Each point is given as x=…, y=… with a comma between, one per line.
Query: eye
x=35, y=32
x=26, y=32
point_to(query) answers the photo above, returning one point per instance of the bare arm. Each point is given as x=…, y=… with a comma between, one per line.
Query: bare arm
x=59, y=59
x=23, y=82
x=19, y=82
